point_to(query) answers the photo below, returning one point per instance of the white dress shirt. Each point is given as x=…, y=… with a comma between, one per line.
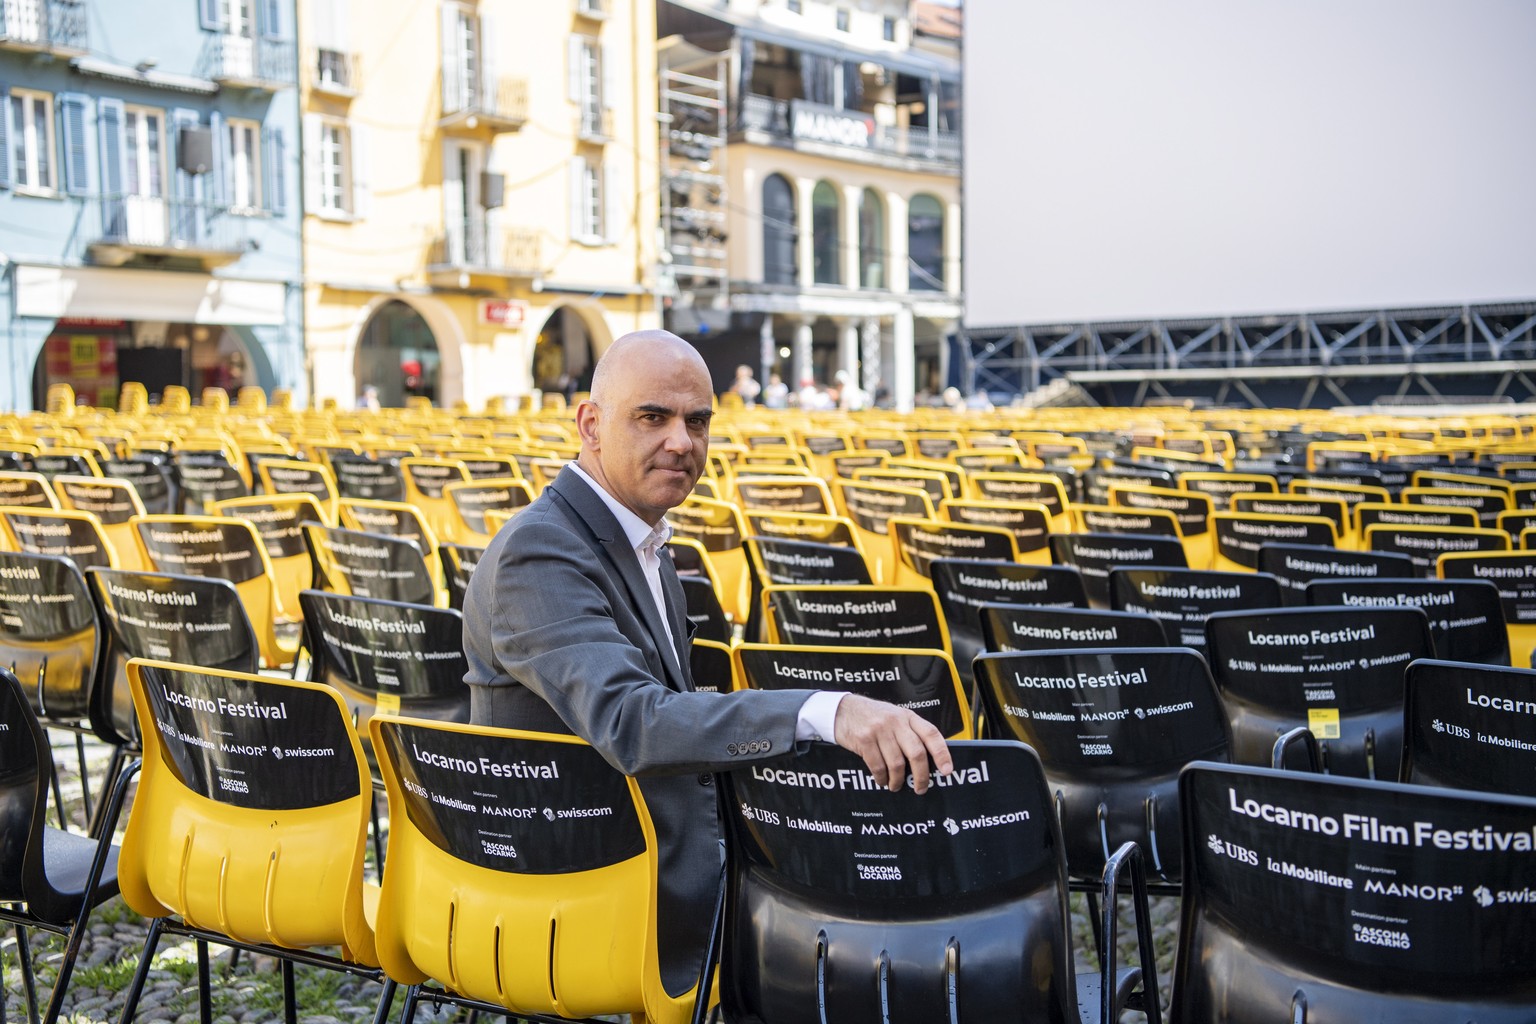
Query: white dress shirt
x=817, y=715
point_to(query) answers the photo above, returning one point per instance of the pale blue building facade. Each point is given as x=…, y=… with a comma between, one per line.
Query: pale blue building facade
x=149, y=197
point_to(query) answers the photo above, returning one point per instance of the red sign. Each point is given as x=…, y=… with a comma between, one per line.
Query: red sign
x=503, y=312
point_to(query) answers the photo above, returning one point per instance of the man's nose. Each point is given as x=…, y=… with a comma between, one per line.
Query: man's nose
x=678, y=439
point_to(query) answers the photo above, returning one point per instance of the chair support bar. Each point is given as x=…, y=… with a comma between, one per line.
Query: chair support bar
x=1128, y=856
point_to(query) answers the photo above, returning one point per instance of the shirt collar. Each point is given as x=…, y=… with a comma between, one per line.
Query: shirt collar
x=636, y=530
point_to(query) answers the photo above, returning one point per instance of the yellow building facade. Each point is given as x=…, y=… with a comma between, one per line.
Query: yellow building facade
x=480, y=194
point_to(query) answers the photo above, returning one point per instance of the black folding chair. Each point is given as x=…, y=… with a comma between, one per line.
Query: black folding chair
x=49, y=878
x=846, y=902
x=1337, y=671
x=1313, y=899
x=1113, y=728
x=1182, y=598
x=1468, y=726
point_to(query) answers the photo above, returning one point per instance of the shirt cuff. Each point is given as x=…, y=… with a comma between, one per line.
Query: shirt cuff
x=817, y=716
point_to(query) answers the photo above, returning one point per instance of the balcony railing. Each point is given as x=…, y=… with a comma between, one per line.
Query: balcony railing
x=44, y=24
x=499, y=104
x=237, y=60
x=799, y=121
x=335, y=72
x=153, y=228
x=481, y=248
x=595, y=124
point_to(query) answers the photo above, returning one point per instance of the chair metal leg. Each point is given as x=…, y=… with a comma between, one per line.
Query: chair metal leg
x=58, y=793
x=386, y=1002
x=204, y=985
x=378, y=839
x=28, y=979
x=408, y=1011
x=99, y=816
x=136, y=987
x=290, y=999
x=85, y=779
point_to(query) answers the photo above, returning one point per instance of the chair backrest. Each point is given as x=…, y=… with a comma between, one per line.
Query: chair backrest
x=917, y=543
x=855, y=617
x=1425, y=544
x=76, y=535
x=1514, y=573
x=784, y=493
x=1295, y=565
x=720, y=528
x=295, y=477
x=804, y=526
x=1311, y=898
x=472, y=498
x=1237, y=536
x=1336, y=670
x=870, y=506
x=1220, y=487
x=113, y=502
x=923, y=681
x=1466, y=619
x=792, y=562
x=1371, y=513
x=963, y=585
x=394, y=518
x=1183, y=598
x=26, y=490
x=1325, y=505
x=48, y=632
x=279, y=520
x=1095, y=554
x=522, y=871
x=251, y=809
x=153, y=478
x=373, y=479
x=1469, y=726
x=387, y=656
x=849, y=903
x=369, y=565
x=224, y=548
x=425, y=479
x=1029, y=523
x=1192, y=511
x=710, y=664
x=702, y=602
x=207, y=476
x=459, y=561
x=1123, y=519
x=1113, y=728
x=25, y=771
x=189, y=619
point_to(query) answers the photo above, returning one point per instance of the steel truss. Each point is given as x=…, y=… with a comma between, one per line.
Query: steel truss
x=1480, y=353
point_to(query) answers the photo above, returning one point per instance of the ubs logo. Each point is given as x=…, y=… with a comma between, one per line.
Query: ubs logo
x=1223, y=848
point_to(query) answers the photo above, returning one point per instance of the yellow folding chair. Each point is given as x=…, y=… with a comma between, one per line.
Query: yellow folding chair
x=917, y=542
x=279, y=519
x=1514, y=573
x=870, y=507
x=507, y=907
x=1237, y=536
x=425, y=479
x=720, y=528
x=113, y=502
x=73, y=534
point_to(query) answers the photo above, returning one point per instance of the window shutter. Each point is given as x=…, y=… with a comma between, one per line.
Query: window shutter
x=605, y=75
x=573, y=68
x=362, y=195
x=453, y=61
x=612, y=206
x=275, y=180
x=309, y=155
x=186, y=188
x=487, y=40
x=6, y=176
x=72, y=134
x=208, y=15
x=219, y=189
x=578, y=201
x=109, y=122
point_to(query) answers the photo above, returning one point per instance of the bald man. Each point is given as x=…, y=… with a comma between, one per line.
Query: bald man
x=574, y=623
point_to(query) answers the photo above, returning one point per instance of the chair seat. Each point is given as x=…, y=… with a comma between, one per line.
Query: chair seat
x=67, y=864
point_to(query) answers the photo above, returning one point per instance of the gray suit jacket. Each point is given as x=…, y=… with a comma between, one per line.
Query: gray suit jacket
x=562, y=636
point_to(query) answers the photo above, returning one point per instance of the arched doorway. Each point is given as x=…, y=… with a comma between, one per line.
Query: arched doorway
x=397, y=354
x=562, y=354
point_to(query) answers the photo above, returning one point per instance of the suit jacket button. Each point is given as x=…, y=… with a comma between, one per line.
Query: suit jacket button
x=767, y=745
x=732, y=749
x=706, y=779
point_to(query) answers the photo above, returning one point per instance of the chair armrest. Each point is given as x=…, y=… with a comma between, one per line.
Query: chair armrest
x=1114, y=996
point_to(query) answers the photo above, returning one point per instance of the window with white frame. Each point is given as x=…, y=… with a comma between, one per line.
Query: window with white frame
x=245, y=186
x=144, y=145
x=589, y=54
x=335, y=168
x=31, y=128
x=587, y=202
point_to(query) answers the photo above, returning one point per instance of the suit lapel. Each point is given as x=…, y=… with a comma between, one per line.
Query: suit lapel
x=677, y=615
x=591, y=510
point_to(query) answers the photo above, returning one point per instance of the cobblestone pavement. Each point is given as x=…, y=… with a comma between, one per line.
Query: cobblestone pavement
x=250, y=991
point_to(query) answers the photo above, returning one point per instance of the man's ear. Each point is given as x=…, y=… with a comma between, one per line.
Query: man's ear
x=587, y=414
